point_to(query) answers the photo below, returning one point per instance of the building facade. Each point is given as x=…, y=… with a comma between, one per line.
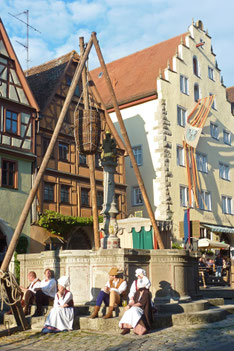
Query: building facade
x=157, y=88
x=18, y=113
x=66, y=183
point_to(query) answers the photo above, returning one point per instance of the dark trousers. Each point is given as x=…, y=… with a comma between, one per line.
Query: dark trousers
x=102, y=296
x=29, y=299
x=42, y=300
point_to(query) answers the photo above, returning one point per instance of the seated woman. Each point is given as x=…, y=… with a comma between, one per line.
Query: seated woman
x=138, y=315
x=62, y=314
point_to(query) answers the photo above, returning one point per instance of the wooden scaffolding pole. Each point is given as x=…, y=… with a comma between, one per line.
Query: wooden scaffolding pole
x=127, y=142
x=45, y=161
x=90, y=158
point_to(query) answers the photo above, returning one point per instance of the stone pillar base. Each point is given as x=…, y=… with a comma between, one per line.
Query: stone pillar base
x=110, y=242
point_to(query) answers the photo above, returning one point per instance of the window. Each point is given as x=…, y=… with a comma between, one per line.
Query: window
x=82, y=159
x=180, y=155
x=77, y=90
x=85, y=197
x=136, y=196
x=210, y=73
x=11, y=122
x=227, y=204
x=213, y=103
x=45, y=145
x=183, y=84
x=117, y=197
x=196, y=92
x=9, y=174
x=204, y=200
x=201, y=162
x=226, y=137
x=224, y=171
x=65, y=194
x=214, y=131
x=63, y=151
x=49, y=192
x=195, y=67
x=137, y=151
x=181, y=116
x=184, y=196
x=98, y=161
x=99, y=199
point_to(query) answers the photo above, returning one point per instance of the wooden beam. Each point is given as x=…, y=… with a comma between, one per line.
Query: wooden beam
x=90, y=158
x=45, y=161
x=127, y=142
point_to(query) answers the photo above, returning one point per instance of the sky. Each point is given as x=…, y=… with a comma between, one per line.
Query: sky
x=122, y=26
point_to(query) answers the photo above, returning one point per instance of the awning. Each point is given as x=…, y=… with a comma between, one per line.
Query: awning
x=219, y=229
x=210, y=244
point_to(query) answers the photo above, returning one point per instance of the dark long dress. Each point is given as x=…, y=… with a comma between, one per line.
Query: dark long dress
x=145, y=303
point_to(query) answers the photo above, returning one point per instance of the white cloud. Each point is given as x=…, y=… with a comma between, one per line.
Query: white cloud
x=122, y=26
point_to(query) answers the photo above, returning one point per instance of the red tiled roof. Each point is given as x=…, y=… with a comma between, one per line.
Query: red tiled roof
x=44, y=78
x=230, y=94
x=134, y=76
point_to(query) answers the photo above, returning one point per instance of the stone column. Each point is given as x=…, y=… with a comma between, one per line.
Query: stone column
x=109, y=210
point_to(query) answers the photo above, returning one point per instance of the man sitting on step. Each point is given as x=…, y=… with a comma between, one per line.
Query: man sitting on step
x=29, y=292
x=45, y=293
x=111, y=293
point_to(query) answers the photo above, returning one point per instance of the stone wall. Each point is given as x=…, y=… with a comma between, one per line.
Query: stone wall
x=173, y=273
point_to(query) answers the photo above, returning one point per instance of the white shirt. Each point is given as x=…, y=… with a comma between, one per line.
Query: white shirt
x=49, y=287
x=34, y=284
x=121, y=289
x=133, y=286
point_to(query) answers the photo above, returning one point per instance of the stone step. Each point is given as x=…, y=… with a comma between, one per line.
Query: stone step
x=38, y=322
x=162, y=320
x=187, y=307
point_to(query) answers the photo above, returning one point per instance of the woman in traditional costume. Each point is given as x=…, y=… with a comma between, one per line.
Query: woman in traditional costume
x=62, y=314
x=138, y=315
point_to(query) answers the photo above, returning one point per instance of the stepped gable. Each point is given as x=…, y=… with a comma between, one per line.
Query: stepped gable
x=44, y=78
x=134, y=77
x=230, y=94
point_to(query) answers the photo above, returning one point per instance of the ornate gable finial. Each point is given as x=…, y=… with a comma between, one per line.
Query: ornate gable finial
x=221, y=80
x=193, y=21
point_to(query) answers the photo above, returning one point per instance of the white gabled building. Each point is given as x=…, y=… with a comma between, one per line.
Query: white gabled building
x=157, y=88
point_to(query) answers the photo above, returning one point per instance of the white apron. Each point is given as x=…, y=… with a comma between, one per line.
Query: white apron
x=59, y=317
x=131, y=316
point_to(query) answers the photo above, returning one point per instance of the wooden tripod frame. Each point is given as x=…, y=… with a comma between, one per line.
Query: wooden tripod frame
x=18, y=312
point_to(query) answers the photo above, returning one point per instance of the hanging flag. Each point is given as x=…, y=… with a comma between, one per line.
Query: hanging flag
x=186, y=226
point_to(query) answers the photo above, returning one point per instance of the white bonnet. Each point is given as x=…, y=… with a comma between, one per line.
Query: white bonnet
x=140, y=271
x=64, y=281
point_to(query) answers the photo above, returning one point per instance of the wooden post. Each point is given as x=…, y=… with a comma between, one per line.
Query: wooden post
x=45, y=161
x=90, y=158
x=127, y=142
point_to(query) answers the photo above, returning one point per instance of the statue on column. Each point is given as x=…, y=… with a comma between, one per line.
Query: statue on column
x=109, y=209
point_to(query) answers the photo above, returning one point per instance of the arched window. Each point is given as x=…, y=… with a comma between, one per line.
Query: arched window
x=195, y=66
x=196, y=92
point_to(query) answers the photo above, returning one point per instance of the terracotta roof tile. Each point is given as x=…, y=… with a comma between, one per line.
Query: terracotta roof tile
x=134, y=76
x=230, y=94
x=43, y=78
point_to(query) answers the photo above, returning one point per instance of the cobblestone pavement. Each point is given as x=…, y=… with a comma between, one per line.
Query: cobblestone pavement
x=188, y=338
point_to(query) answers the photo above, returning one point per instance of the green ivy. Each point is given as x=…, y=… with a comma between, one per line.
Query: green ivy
x=17, y=268
x=59, y=224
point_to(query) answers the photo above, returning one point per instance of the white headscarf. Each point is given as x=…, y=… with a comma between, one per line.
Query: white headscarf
x=64, y=281
x=140, y=271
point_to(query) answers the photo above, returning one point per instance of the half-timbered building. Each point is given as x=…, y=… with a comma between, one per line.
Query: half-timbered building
x=66, y=183
x=18, y=113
